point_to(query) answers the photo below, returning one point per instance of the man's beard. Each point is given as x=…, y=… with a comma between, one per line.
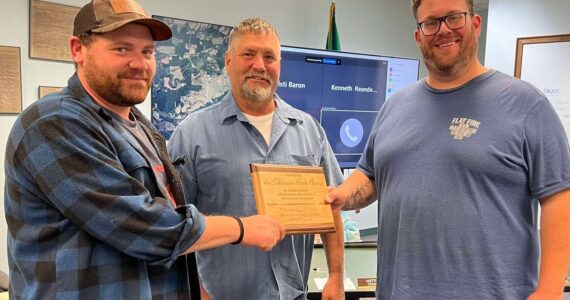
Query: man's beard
x=258, y=93
x=467, y=51
x=111, y=89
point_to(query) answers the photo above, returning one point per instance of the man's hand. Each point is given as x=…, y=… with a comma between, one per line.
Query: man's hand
x=336, y=198
x=334, y=288
x=356, y=192
x=262, y=231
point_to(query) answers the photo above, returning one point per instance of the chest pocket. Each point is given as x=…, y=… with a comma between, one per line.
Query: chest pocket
x=304, y=160
x=132, y=160
x=138, y=168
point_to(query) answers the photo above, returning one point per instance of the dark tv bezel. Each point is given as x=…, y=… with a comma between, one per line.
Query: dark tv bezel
x=358, y=55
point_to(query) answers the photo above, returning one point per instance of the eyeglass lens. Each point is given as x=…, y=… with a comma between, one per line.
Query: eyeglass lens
x=453, y=22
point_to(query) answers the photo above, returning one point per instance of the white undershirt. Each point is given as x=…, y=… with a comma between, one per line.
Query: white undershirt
x=263, y=124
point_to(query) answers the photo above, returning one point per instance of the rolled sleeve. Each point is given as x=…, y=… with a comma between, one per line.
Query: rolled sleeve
x=192, y=231
x=76, y=166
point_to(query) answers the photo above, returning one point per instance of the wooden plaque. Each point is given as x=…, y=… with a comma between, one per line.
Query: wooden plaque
x=294, y=195
x=10, y=80
x=51, y=25
x=44, y=90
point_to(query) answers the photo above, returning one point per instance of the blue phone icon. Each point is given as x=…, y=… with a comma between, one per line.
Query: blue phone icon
x=351, y=132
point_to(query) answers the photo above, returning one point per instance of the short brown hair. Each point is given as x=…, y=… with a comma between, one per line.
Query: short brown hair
x=87, y=38
x=416, y=5
x=252, y=25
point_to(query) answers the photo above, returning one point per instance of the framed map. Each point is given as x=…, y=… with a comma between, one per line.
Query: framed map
x=190, y=71
x=51, y=25
x=10, y=80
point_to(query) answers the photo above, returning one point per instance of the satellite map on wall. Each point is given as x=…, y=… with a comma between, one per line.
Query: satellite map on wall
x=190, y=71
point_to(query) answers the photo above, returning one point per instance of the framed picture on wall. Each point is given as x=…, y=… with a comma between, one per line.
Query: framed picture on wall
x=190, y=71
x=10, y=80
x=544, y=61
x=44, y=90
x=51, y=24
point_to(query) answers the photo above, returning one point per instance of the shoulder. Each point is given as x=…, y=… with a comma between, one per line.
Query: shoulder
x=413, y=91
x=292, y=112
x=195, y=127
x=302, y=118
x=518, y=94
x=503, y=83
x=50, y=111
x=406, y=96
x=202, y=117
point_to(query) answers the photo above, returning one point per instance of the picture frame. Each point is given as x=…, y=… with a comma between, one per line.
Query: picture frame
x=190, y=72
x=44, y=90
x=10, y=80
x=544, y=62
x=51, y=25
x=524, y=41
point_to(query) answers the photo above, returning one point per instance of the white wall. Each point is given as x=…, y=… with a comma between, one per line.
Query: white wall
x=482, y=42
x=511, y=19
x=383, y=27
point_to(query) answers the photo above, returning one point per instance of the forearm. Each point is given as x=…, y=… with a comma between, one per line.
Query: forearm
x=334, y=247
x=360, y=191
x=218, y=231
x=554, y=243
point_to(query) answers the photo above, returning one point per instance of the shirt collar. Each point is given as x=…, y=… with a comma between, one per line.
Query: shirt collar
x=79, y=93
x=283, y=110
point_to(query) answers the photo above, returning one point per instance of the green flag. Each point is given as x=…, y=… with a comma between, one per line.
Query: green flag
x=333, y=41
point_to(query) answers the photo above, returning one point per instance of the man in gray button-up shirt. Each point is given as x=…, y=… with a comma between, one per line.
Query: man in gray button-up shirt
x=217, y=144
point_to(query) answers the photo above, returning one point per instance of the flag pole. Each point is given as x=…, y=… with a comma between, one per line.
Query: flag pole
x=333, y=41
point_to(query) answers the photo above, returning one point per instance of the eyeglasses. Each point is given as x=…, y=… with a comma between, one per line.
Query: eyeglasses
x=453, y=22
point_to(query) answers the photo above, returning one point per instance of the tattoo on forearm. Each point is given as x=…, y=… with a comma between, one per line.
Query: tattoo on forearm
x=360, y=197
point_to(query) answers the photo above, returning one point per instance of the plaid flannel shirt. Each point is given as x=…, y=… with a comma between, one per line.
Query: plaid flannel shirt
x=85, y=217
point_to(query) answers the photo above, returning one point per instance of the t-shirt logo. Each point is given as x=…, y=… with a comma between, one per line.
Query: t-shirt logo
x=461, y=128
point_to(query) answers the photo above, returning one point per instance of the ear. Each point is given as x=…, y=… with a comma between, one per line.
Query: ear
x=418, y=37
x=227, y=59
x=477, y=20
x=76, y=49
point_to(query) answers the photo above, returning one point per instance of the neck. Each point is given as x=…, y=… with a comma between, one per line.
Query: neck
x=122, y=111
x=449, y=81
x=255, y=108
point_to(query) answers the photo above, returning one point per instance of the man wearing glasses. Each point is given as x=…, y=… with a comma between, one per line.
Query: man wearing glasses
x=459, y=163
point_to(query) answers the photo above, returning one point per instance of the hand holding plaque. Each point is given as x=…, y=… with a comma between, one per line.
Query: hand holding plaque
x=294, y=195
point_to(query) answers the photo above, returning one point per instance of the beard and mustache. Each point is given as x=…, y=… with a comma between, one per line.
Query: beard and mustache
x=111, y=87
x=451, y=66
x=258, y=93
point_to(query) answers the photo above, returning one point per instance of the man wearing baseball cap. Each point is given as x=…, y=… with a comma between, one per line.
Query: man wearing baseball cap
x=94, y=207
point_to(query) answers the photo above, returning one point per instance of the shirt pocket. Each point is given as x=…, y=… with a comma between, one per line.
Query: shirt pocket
x=137, y=167
x=303, y=160
x=178, y=163
x=132, y=160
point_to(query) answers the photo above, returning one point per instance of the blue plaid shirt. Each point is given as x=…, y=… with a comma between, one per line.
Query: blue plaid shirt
x=86, y=219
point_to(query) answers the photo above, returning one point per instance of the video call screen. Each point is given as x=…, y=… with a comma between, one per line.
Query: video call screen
x=344, y=91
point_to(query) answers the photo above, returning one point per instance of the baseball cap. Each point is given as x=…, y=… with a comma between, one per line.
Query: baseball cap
x=107, y=15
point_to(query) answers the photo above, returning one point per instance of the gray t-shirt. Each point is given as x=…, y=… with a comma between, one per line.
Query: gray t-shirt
x=137, y=136
x=459, y=173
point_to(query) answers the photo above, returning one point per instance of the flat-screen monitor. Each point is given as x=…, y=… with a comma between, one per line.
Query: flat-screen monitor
x=344, y=91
